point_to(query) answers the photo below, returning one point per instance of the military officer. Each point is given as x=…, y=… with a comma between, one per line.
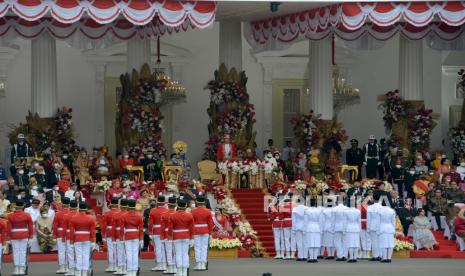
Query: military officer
x=116, y=237
x=107, y=231
x=132, y=233
x=371, y=159
x=203, y=226
x=59, y=235
x=354, y=157
x=21, y=149
x=167, y=236
x=155, y=230
x=70, y=258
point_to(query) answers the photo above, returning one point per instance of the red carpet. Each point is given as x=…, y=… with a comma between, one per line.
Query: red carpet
x=446, y=249
x=252, y=205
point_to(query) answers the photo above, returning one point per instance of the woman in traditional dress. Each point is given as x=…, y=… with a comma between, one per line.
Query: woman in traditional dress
x=56, y=204
x=423, y=234
x=43, y=226
x=144, y=199
x=82, y=168
x=459, y=223
x=221, y=228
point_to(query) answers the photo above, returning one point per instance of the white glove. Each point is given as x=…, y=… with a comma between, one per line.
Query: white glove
x=191, y=243
x=141, y=244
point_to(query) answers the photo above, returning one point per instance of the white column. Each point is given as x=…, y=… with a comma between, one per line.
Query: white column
x=231, y=44
x=98, y=103
x=267, y=116
x=138, y=53
x=411, y=68
x=320, y=79
x=44, y=76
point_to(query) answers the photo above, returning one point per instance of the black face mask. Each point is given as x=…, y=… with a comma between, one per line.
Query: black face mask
x=153, y=205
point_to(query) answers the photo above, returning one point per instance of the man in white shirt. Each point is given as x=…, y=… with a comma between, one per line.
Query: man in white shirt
x=461, y=170
x=70, y=193
x=373, y=222
x=339, y=222
x=288, y=150
x=387, y=230
x=34, y=210
x=298, y=227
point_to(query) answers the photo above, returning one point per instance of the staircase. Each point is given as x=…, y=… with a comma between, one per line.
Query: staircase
x=252, y=204
x=446, y=249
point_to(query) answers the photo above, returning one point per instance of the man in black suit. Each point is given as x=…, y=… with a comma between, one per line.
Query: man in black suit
x=50, y=194
x=384, y=196
x=54, y=177
x=354, y=157
x=357, y=190
x=406, y=213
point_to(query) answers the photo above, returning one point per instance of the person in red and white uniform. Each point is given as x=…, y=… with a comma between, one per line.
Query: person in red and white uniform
x=19, y=231
x=107, y=233
x=277, y=229
x=285, y=215
x=203, y=227
x=2, y=240
x=226, y=150
x=118, y=242
x=59, y=235
x=82, y=236
x=365, y=241
x=155, y=230
x=70, y=258
x=298, y=227
x=132, y=233
x=168, y=236
x=181, y=226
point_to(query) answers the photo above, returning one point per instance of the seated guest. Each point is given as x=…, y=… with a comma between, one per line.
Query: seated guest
x=2, y=174
x=420, y=166
x=125, y=161
x=51, y=194
x=357, y=190
x=43, y=226
x=114, y=191
x=460, y=224
x=134, y=193
x=56, y=203
x=455, y=194
x=70, y=193
x=3, y=203
x=437, y=206
x=406, y=213
x=423, y=233
x=41, y=177
x=144, y=199
x=54, y=177
x=451, y=213
x=461, y=170
x=79, y=197
x=445, y=167
x=21, y=177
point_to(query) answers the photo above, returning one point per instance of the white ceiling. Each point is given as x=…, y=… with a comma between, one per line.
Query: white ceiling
x=256, y=10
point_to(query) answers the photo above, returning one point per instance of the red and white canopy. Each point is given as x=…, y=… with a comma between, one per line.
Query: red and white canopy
x=139, y=12
x=350, y=21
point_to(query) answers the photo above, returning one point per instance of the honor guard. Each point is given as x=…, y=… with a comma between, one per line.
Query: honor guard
x=352, y=233
x=107, y=232
x=328, y=229
x=203, y=226
x=373, y=222
x=117, y=239
x=365, y=242
x=298, y=227
x=354, y=157
x=285, y=215
x=59, y=235
x=339, y=222
x=387, y=231
x=313, y=223
x=181, y=227
x=167, y=236
x=371, y=160
x=132, y=233
x=277, y=229
x=20, y=232
x=155, y=230
x=70, y=258
x=82, y=236
x=21, y=149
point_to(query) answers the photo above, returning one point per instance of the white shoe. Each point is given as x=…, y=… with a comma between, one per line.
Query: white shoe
x=204, y=266
x=16, y=270
x=164, y=267
x=61, y=270
x=198, y=266
x=22, y=270
x=119, y=270
x=70, y=272
x=179, y=272
x=292, y=257
x=78, y=273
x=184, y=271
x=125, y=271
x=111, y=268
x=278, y=255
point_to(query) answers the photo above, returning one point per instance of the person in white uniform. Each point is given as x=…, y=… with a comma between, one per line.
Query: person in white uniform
x=298, y=228
x=352, y=233
x=313, y=227
x=373, y=225
x=339, y=222
x=328, y=229
x=387, y=230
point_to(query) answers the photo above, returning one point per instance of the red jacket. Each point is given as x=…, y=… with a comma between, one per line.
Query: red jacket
x=124, y=163
x=220, y=152
x=277, y=223
x=459, y=225
x=203, y=221
x=106, y=226
x=19, y=225
x=132, y=226
x=82, y=228
x=2, y=231
x=116, y=225
x=66, y=219
x=181, y=225
x=285, y=215
x=363, y=211
x=154, y=224
x=58, y=224
x=165, y=220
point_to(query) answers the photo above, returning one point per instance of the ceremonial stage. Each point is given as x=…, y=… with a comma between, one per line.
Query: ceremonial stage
x=252, y=267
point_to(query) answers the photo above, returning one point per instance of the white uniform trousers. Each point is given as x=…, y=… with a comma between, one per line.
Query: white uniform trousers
x=111, y=250
x=278, y=239
x=374, y=237
x=287, y=238
x=82, y=251
x=19, y=252
x=169, y=252
x=341, y=251
x=181, y=248
x=70, y=255
x=120, y=253
x=293, y=241
x=201, y=248
x=159, y=249
x=365, y=241
x=301, y=249
x=132, y=254
x=61, y=247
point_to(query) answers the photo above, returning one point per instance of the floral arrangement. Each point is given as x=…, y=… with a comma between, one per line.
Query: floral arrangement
x=300, y=185
x=394, y=107
x=172, y=187
x=245, y=166
x=400, y=245
x=103, y=185
x=322, y=185
x=305, y=128
x=420, y=125
x=230, y=111
x=221, y=244
x=64, y=129
x=457, y=134
x=219, y=193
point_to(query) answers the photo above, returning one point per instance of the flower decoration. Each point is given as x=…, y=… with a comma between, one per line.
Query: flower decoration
x=394, y=107
x=306, y=129
x=221, y=244
x=420, y=127
x=103, y=185
x=402, y=244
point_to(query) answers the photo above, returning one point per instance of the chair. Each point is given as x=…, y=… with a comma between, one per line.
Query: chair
x=172, y=173
x=208, y=170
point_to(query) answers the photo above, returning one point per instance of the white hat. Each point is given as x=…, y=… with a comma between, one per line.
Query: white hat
x=371, y=137
x=20, y=136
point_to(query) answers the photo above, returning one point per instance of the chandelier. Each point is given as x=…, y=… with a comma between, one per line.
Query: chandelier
x=344, y=94
x=172, y=91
